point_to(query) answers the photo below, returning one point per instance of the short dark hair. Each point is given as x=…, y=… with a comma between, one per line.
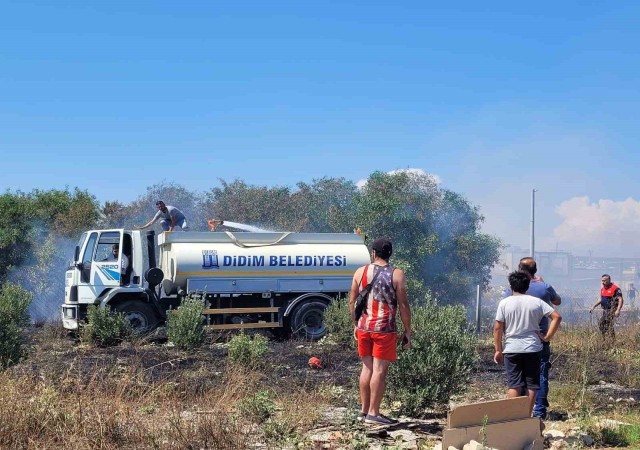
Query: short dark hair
x=606, y=275
x=519, y=281
x=159, y=202
x=383, y=248
x=528, y=264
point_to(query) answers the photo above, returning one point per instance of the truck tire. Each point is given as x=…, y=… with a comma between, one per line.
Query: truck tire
x=141, y=316
x=307, y=320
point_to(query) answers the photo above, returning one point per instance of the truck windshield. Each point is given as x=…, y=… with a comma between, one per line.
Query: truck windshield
x=105, y=245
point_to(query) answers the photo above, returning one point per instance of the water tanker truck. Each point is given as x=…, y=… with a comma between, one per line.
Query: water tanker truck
x=281, y=281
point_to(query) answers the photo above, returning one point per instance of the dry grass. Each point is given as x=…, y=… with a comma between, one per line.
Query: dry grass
x=143, y=396
x=581, y=356
x=105, y=413
x=147, y=396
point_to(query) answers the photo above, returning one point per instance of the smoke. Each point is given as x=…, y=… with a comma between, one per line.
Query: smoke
x=44, y=275
x=606, y=227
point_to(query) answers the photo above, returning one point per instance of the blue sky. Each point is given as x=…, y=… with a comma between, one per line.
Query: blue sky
x=495, y=98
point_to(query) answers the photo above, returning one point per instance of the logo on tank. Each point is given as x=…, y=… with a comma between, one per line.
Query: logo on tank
x=210, y=259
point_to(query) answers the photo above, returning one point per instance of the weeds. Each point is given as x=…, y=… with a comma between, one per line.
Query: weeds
x=483, y=431
x=103, y=410
x=185, y=325
x=257, y=408
x=14, y=302
x=104, y=327
x=618, y=436
x=248, y=351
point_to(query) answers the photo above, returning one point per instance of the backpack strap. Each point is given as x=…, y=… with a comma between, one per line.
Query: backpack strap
x=364, y=272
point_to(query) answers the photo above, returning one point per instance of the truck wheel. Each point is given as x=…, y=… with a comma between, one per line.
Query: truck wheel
x=307, y=320
x=140, y=315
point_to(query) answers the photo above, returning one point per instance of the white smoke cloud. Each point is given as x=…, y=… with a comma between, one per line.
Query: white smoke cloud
x=362, y=182
x=607, y=227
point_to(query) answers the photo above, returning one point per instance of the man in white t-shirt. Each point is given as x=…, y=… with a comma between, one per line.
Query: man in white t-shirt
x=169, y=216
x=518, y=320
x=124, y=261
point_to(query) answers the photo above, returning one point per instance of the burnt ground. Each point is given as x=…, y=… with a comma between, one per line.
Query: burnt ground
x=58, y=356
x=63, y=361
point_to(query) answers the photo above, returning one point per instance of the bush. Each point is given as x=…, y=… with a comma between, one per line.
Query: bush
x=185, y=325
x=246, y=350
x=439, y=363
x=14, y=302
x=615, y=436
x=257, y=408
x=104, y=327
x=339, y=324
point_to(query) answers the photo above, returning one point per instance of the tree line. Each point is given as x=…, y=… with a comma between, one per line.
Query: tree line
x=436, y=232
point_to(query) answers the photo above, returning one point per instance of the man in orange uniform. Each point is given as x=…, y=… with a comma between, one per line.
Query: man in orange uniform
x=375, y=330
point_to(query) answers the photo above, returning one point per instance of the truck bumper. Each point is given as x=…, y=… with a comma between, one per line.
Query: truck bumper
x=70, y=317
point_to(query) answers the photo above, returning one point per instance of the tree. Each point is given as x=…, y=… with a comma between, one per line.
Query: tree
x=67, y=213
x=261, y=206
x=326, y=205
x=27, y=220
x=16, y=230
x=435, y=234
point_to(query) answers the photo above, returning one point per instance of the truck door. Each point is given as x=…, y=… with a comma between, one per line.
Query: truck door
x=100, y=269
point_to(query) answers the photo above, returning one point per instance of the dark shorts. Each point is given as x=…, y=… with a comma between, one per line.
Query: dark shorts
x=523, y=370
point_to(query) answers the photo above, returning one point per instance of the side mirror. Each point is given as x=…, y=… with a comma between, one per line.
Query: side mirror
x=76, y=255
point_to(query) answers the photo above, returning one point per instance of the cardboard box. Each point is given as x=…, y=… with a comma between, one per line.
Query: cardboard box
x=509, y=425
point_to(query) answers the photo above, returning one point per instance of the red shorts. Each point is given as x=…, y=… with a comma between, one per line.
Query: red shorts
x=378, y=345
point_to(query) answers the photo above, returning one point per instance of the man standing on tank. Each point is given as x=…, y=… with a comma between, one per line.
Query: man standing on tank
x=375, y=330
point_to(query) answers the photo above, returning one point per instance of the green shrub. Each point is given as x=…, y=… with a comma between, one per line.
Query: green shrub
x=615, y=436
x=247, y=351
x=185, y=325
x=439, y=363
x=14, y=302
x=258, y=407
x=278, y=432
x=337, y=318
x=104, y=327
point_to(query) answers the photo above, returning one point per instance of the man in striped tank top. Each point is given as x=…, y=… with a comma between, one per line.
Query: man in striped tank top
x=375, y=330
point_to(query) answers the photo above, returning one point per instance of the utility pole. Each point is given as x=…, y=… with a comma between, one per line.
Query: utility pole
x=478, y=309
x=532, y=241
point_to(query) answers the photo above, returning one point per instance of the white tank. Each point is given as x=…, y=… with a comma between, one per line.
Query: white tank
x=224, y=262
